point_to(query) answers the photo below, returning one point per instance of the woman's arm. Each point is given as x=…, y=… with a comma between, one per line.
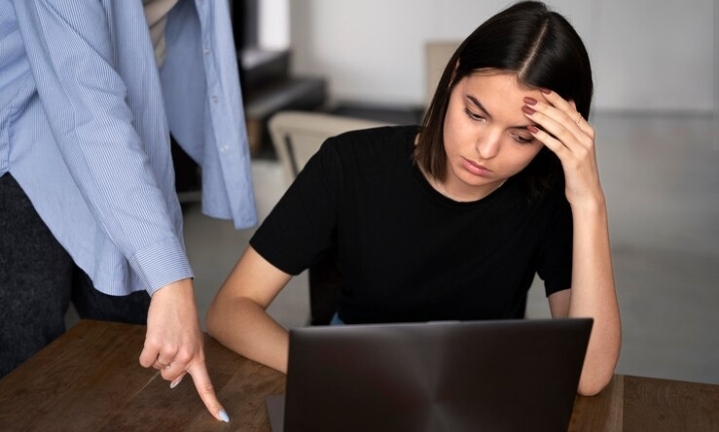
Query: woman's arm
x=73, y=58
x=237, y=316
x=592, y=293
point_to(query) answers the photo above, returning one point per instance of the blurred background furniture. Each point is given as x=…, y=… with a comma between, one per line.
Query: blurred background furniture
x=436, y=54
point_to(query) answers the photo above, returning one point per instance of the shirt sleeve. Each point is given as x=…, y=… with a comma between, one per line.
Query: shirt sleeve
x=71, y=57
x=302, y=224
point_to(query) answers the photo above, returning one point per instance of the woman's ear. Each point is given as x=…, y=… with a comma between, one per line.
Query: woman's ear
x=573, y=105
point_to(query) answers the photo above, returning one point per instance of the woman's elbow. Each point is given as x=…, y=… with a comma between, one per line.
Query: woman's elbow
x=592, y=385
x=213, y=319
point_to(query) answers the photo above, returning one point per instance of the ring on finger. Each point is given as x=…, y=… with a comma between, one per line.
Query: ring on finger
x=578, y=119
x=163, y=365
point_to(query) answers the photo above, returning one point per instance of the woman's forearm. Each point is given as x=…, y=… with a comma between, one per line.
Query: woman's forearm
x=245, y=327
x=237, y=316
x=593, y=295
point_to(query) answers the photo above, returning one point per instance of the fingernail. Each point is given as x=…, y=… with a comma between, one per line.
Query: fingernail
x=176, y=382
x=532, y=129
x=530, y=101
x=527, y=110
x=545, y=91
x=223, y=415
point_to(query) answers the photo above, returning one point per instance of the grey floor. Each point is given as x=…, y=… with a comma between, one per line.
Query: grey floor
x=661, y=179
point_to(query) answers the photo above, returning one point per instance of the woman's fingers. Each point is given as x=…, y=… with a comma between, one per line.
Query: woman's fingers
x=204, y=388
x=559, y=124
x=550, y=141
x=550, y=126
x=569, y=109
x=561, y=129
x=174, y=343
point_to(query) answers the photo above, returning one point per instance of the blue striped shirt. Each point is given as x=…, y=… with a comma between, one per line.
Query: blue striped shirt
x=85, y=121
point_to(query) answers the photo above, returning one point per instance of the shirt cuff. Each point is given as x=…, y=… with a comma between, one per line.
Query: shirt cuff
x=161, y=264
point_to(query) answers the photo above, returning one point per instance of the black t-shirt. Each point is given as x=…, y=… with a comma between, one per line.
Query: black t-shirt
x=406, y=252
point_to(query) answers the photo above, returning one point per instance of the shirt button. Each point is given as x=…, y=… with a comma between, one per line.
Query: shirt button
x=223, y=149
x=206, y=50
x=215, y=98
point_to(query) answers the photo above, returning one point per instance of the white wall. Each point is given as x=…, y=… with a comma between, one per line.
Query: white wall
x=274, y=28
x=648, y=55
x=716, y=79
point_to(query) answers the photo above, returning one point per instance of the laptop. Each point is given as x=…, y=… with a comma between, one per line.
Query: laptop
x=509, y=375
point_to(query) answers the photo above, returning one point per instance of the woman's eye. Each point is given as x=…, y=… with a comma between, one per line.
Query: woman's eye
x=522, y=140
x=473, y=116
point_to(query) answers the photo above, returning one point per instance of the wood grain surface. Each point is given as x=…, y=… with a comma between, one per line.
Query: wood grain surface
x=90, y=379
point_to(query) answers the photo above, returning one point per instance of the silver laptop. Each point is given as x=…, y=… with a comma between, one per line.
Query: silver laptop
x=510, y=375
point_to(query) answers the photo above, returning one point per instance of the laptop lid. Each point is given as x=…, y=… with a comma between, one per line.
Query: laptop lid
x=509, y=375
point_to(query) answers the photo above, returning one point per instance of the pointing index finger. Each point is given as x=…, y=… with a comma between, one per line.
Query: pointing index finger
x=204, y=387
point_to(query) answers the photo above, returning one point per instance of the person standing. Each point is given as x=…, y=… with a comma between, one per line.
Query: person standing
x=89, y=94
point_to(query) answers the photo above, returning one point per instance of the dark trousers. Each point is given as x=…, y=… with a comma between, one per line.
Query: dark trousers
x=38, y=280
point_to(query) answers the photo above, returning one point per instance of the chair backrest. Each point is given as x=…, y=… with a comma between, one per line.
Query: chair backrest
x=297, y=135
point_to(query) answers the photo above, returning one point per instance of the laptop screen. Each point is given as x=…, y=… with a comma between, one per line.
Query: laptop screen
x=513, y=375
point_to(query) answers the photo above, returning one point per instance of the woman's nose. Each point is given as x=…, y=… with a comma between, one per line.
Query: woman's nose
x=488, y=145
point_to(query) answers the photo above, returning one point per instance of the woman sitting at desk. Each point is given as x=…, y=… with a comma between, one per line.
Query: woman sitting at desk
x=451, y=220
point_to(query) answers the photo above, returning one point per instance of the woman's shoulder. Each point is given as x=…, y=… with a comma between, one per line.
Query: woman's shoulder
x=370, y=141
x=370, y=152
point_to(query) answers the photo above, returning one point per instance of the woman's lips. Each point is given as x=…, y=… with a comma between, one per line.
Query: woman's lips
x=475, y=168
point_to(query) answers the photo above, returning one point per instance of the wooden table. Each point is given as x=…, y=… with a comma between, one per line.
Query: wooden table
x=90, y=380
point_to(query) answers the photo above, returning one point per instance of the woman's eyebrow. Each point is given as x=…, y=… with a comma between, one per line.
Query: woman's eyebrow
x=481, y=107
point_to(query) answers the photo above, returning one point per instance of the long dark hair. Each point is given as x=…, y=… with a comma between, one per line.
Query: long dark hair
x=543, y=49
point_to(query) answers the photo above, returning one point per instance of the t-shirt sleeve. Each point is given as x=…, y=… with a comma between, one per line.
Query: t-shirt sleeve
x=555, y=256
x=301, y=226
